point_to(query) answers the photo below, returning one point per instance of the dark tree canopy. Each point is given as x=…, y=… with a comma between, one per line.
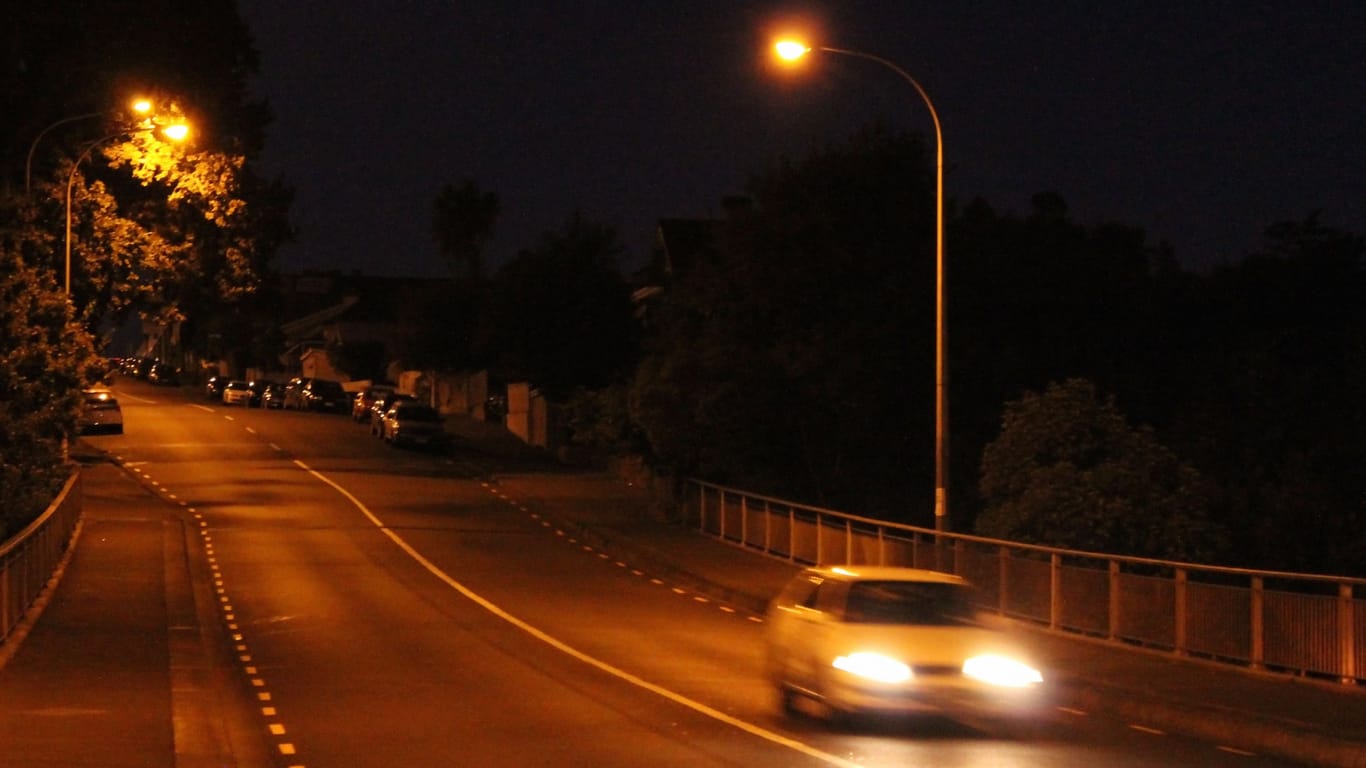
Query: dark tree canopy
x=799, y=355
x=562, y=311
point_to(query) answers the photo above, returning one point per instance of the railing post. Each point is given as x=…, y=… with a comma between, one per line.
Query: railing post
x=881, y=546
x=1002, y=578
x=791, y=534
x=702, y=509
x=744, y=520
x=848, y=541
x=721, y=516
x=1179, y=631
x=1347, y=634
x=1114, y=629
x=1258, y=650
x=820, y=540
x=1054, y=590
x=768, y=528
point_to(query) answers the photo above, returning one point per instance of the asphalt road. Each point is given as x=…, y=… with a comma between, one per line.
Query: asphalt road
x=392, y=608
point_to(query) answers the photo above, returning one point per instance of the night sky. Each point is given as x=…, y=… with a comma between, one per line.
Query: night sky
x=1201, y=122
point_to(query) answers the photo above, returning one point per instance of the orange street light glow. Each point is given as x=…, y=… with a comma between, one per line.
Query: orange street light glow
x=176, y=132
x=790, y=50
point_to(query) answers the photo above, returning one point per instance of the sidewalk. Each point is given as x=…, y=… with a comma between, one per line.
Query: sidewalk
x=114, y=670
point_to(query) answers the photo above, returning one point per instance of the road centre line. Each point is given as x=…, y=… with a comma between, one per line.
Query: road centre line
x=569, y=650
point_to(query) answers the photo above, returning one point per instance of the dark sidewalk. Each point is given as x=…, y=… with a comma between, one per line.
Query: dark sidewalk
x=118, y=669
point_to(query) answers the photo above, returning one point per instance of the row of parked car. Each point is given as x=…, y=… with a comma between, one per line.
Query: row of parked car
x=399, y=419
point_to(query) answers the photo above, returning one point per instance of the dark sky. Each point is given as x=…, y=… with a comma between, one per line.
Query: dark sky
x=1201, y=122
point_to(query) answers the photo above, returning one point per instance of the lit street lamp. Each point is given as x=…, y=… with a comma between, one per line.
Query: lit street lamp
x=791, y=50
x=176, y=132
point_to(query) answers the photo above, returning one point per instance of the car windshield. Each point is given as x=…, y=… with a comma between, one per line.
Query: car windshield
x=908, y=602
x=416, y=413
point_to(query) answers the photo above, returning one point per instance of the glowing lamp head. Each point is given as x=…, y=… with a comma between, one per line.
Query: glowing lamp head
x=790, y=50
x=176, y=132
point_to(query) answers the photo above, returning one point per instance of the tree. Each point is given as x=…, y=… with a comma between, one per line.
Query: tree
x=1272, y=407
x=799, y=357
x=46, y=357
x=170, y=234
x=463, y=221
x=562, y=311
x=1068, y=471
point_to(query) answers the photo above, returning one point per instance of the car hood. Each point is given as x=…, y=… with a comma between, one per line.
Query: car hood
x=926, y=645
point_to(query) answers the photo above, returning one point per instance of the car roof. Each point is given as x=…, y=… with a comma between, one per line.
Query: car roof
x=882, y=573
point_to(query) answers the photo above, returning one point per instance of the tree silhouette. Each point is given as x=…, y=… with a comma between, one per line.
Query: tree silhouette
x=1068, y=471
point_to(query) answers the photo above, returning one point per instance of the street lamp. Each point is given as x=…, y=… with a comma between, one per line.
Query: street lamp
x=792, y=50
x=140, y=106
x=176, y=132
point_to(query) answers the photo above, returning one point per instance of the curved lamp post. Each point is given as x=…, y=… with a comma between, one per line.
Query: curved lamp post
x=176, y=132
x=791, y=50
x=140, y=106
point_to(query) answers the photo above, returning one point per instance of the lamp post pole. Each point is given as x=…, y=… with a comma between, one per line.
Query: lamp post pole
x=792, y=50
x=28, y=163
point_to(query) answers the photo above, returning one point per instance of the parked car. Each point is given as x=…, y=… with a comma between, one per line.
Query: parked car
x=163, y=374
x=273, y=395
x=237, y=392
x=365, y=400
x=381, y=407
x=294, y=392
x=869, y=639
x=414, y=424
x=213, y=389
x=100, y=413
x=258, y=389
x=325, y=395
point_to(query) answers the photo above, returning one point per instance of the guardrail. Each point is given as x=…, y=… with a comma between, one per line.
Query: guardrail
x=1304, y=624
x=29, y=558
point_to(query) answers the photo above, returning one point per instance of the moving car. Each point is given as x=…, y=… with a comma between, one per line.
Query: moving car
x=100, y=412
x=412, y=423
x=882, y=640
x=237, y=392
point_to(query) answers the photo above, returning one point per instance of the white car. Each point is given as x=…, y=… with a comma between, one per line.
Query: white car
x=237, y=393
x=883, y=640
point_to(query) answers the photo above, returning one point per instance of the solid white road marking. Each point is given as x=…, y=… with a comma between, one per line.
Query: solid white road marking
x=482, y=602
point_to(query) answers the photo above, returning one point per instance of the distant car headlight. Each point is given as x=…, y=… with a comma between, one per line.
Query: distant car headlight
x=874, y=666
x=1002, y=671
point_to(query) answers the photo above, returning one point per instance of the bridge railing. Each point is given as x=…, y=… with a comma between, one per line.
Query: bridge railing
x=29, y=559
x=1304, y=624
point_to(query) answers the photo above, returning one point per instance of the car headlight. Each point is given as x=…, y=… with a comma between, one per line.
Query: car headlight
x=874, y=666
x=999, y=670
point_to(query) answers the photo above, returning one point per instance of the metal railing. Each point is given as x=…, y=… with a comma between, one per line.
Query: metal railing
x=29, y=559
x=1304, y=624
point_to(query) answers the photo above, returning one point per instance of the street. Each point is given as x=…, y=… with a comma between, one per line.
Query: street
x=378, y=607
